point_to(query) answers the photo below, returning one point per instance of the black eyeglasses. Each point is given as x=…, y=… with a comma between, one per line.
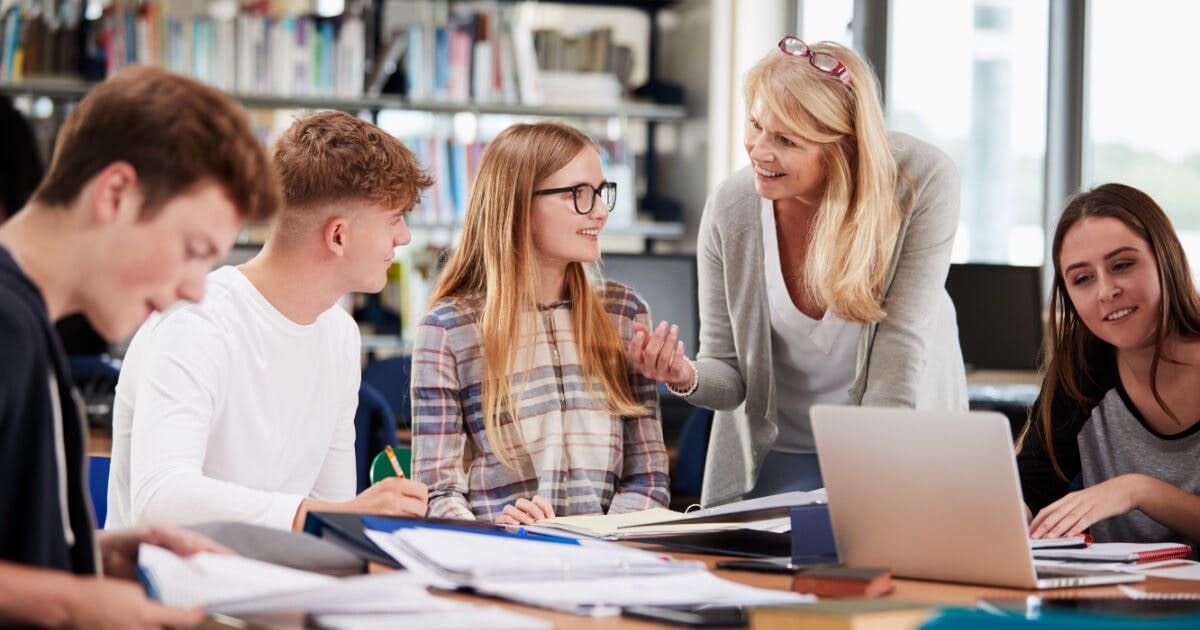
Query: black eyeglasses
x=584, y=195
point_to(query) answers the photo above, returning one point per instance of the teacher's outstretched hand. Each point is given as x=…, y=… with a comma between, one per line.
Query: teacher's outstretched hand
x=658, y=355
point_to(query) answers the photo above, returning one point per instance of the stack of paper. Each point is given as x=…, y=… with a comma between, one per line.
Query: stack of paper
x=233, y=585
x=588, y=577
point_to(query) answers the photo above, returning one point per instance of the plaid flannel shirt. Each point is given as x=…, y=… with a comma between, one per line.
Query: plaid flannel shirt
x=573, y=453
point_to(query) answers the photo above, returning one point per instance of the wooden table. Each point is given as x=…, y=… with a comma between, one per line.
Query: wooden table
x=908, y=590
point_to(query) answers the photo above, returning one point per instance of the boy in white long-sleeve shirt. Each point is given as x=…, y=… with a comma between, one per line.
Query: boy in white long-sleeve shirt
x=242, y=407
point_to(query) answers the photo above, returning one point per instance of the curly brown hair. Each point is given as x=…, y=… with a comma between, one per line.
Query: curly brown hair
x=332, y=156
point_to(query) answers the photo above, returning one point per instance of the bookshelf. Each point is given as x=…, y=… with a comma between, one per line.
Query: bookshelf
x=70, y=89
x=446, y=58
x=215, y=49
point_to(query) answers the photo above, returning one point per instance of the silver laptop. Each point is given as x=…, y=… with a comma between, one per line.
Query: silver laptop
x=932, y=495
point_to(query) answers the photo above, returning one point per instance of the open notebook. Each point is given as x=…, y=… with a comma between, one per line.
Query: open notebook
x=1118, y=552
x=770, y=514
x=581, y=576
x=234, y=585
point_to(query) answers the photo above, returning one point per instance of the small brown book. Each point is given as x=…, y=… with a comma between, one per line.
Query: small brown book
x=843, y=582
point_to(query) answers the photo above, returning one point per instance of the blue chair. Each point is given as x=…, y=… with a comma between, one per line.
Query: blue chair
x=98, y=466
x=688, y=476
x=374, y=428
x=95, y=378
x=391, y=378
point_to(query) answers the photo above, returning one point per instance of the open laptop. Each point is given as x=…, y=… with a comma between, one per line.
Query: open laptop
x=932, y=495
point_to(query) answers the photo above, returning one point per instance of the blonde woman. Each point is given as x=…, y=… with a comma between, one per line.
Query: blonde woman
x=524, y=405
x=822, y=270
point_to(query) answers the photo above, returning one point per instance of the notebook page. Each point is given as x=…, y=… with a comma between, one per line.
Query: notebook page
x=463, y=557
x=601, y=595
x=600, y=525
x=204, y=578
x=234, y=585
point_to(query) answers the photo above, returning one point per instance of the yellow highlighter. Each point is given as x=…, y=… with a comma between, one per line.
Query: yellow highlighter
x=391, y=455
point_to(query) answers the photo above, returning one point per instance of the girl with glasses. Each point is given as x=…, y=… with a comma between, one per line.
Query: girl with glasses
x=1119, y=405
x=524, y=405
x=822, y=268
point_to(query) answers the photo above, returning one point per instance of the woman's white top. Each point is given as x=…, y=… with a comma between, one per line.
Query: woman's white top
x=814, y=359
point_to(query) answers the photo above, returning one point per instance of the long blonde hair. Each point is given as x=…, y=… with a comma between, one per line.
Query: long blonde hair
x=858, y=221
x=495, y=265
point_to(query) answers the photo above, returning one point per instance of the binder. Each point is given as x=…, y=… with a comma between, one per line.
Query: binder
x=349, y=531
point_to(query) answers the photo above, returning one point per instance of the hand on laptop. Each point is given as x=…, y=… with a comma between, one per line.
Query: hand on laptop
x=526, y=512
x=1077, y=511
x=392, y=496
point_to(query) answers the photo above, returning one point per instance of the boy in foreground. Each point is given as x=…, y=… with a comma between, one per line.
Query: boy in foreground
x=152, y=177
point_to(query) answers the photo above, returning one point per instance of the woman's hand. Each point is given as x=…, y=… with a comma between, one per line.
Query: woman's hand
x=526, y=512
x=1077, y=511
x=659, y=356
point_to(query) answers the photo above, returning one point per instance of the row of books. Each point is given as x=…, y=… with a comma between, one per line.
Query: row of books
x=250, y=53
x=487, y=55
x=455, y=165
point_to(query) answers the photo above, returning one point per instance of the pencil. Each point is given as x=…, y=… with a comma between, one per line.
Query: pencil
x=395, y=462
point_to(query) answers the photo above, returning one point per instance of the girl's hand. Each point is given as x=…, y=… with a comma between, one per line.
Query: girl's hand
x=1077, y=511
x=526, y=512
x=659, y=356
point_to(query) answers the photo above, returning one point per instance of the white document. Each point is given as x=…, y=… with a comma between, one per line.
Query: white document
x=466, y=616
x=234, y=585
x=783, y=499
x=605, y=596
x=585, y=577
x=459, y=558
x=768, y=513
x=1064, y=541
x=204, y=578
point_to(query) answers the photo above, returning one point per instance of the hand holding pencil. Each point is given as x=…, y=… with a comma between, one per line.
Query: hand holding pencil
x=391, y=455
x=393, y=496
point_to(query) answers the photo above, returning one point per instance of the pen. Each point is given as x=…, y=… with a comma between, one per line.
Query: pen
x=395, y=462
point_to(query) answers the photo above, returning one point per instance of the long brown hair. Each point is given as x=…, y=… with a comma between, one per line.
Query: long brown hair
x=1069, y=340
x=495, y=265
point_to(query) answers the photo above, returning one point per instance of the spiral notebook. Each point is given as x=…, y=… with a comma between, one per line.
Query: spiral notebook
x=1118, y=552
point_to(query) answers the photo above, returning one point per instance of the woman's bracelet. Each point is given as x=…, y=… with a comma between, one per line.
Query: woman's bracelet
x=691, y=389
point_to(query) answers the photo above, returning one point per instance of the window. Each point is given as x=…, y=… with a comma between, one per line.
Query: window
x=822, y=20
x=1142, y=104
x=970, y=77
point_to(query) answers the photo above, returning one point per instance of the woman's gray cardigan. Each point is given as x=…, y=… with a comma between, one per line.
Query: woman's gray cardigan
x=909, y=359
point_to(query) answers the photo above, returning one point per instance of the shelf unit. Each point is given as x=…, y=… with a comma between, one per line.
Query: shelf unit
x=67, y=89
x=70, y=89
